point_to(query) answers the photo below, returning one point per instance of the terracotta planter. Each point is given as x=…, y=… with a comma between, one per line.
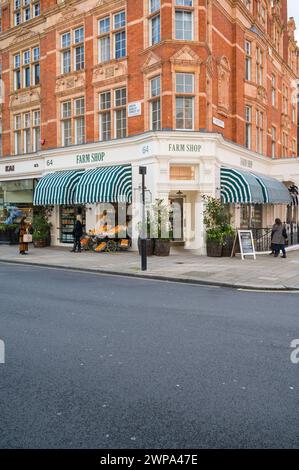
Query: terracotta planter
x=162, y=247
x=214, y=249
x=149, y=246
x=40, y=243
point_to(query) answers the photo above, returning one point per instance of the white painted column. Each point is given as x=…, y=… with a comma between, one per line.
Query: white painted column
x=55, y=230
x=90, y=214
x=196, y=232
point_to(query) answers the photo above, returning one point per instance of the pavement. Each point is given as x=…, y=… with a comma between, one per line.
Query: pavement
x=109, y=362
x=264, y=273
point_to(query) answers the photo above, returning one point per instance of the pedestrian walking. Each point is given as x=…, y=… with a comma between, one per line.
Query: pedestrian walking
x=279, y=237
x=23, y=230
x=77, y=233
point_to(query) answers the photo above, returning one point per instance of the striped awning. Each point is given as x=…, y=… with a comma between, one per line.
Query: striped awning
x=57, y=188
x=238, y=186
x=244, y=187
x=275, y=191
x=105, y=184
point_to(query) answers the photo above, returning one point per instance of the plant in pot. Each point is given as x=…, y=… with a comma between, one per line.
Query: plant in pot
x=228, y=241
x=144, y=230
x=161, y=227
x=219, y=231
x=41, y=230
x=8, y=234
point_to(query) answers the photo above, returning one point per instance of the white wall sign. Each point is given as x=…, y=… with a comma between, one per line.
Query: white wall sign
x=218, y=122
x=14, y=167
x=246, y=163
x=134, y=109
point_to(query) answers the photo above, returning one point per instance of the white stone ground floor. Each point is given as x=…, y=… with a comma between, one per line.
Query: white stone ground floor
x=182, y=167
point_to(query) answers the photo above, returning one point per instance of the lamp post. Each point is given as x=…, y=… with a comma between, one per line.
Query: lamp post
x=142, y=171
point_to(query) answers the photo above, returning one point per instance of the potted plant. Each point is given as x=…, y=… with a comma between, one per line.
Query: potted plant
x=219, y=231
x=228, y=241
x=214, y=242
x=161, y=228
x=8, y=234
x=41, y=230
x=145, y=230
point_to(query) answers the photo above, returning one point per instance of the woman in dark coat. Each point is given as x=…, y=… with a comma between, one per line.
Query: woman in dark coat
x=22, y=231
x=279, y=237
x=77, y=232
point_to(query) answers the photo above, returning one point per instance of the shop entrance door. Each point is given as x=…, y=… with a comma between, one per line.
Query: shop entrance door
x=177, y=219
x=67, y=222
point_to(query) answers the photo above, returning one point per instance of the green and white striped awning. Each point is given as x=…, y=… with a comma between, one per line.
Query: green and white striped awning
x=57, y=188
x=105, y=184
x=244, y=187
x=238, y=186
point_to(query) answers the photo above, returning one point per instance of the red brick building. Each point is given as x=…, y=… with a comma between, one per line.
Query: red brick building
x=78, y=73
x=239, y=56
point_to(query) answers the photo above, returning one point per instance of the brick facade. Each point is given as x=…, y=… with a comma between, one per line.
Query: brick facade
x=215, y=57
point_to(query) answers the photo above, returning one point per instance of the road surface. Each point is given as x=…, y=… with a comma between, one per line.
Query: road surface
x=96, y=361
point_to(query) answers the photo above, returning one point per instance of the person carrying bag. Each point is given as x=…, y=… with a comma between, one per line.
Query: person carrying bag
x=24, y=237
x=279, y=238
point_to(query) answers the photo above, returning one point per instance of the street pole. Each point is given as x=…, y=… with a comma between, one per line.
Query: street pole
x=142, y=171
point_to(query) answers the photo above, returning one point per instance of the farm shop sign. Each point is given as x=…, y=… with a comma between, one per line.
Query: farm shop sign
x=79, y=159
x=83, y=158
x=191, y=148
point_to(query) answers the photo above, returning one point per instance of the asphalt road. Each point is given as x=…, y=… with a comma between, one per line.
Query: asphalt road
x=95, y=361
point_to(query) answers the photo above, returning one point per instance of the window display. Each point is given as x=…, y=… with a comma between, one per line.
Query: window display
x=16, y=200
x=67, y=222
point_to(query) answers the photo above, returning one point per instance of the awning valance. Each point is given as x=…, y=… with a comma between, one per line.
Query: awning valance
x=105, y=184
x=57, y=188
x=244, y=187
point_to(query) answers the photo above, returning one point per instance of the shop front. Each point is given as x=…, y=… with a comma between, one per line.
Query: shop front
x=89, y=193
x=18, y=179
x=101, y=183
x=255, y=200
x=16, y=195
x=181, y=169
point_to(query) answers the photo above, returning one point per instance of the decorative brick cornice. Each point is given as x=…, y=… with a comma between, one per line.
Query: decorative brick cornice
x=151, y=63
x=110, y=71
x=24, y=99
x=185, y=56
x=70, y=83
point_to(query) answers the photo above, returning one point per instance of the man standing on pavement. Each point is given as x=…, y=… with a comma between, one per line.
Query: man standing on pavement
x=77, y=232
